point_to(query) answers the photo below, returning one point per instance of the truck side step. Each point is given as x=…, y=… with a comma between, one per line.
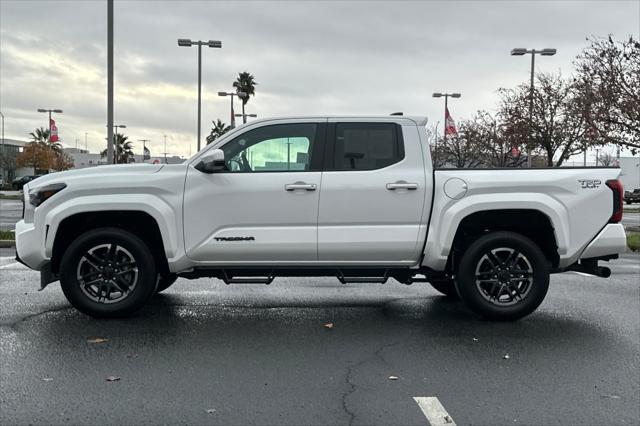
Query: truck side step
x=229, y=279
x=347, y=280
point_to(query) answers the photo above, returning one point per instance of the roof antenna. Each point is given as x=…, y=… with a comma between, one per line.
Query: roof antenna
x=396, y=113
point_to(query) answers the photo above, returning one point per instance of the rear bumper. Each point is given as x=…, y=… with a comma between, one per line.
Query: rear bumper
x=611, y=240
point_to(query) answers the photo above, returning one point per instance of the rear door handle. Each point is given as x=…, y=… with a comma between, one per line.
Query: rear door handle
x=402, y=185
x=300, y=185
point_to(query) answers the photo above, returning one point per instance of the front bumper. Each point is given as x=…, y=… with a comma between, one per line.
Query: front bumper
x=30, y=245
x=611, y=240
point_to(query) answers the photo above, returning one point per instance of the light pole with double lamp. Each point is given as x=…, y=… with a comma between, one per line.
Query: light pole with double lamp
x=57, y=111
x=144, y=147
x=185, y=42
x=241, y=95
x=446, y=105
x=244, y=116
x=520, y=51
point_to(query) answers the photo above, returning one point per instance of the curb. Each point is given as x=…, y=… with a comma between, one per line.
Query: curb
x=7, y=243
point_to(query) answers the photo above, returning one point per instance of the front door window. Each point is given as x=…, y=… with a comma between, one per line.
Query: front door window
x=276, y=148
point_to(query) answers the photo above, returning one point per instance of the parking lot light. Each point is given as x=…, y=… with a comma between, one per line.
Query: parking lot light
x=185, y=42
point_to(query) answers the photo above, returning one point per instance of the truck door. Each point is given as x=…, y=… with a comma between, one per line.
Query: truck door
x=373, y=194
x=264, y=208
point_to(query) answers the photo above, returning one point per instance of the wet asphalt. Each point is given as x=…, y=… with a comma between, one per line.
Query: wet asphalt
x=207, y=353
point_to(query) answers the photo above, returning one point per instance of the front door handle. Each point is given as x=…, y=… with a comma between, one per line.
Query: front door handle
x=402, y=185
x=300, y=185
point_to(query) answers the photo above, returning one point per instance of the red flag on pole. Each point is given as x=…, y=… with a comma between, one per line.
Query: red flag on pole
x=450, y=125
x=54, y=131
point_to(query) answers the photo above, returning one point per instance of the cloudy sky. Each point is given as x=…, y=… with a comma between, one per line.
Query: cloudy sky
x=327, y=57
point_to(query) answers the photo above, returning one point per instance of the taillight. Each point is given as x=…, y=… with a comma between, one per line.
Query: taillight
x=618, y=197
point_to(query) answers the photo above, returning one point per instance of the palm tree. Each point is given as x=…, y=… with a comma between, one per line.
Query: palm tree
x=219, y=128
x=245, y=83
x=123, y=149
x=41, y=135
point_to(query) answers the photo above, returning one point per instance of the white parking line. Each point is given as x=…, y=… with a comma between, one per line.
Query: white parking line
x=434, y=411
x=9, y=265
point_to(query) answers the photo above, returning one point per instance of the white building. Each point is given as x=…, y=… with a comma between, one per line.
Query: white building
x=83, y=158
x=12, y=148
x=630, y=176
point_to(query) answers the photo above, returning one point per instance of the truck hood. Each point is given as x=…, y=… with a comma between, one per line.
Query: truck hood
x=102, y=171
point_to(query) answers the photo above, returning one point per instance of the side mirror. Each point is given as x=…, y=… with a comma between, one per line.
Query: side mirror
x=212, y=162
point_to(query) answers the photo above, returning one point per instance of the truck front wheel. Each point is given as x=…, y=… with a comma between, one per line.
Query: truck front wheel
x=108, y=272
x=503, y=276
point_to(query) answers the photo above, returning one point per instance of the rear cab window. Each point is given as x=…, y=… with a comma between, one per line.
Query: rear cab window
x=364, y=146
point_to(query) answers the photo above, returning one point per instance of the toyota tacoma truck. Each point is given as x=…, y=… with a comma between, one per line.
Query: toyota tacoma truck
x=352, y=197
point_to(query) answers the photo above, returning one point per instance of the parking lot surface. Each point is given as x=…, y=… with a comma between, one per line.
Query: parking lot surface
x=207, y=353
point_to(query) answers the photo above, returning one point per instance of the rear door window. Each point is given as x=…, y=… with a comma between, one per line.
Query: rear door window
x=366, y=146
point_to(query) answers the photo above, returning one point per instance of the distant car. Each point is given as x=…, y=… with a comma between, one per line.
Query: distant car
x=632, y=197
x=19, y=182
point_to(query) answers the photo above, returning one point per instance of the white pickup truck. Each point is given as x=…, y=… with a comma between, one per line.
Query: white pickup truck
x=351, y=197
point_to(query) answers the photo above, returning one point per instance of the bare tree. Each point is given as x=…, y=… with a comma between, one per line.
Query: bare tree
x=435, y=146
x=488, y=134
x=459, y=151
x=559, y=127
x=609, y=84
x=605, y=159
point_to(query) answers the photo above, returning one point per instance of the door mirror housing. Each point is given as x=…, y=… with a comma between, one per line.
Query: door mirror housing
x=212, y=162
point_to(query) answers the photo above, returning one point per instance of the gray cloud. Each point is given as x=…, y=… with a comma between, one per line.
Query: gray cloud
x=308, y=58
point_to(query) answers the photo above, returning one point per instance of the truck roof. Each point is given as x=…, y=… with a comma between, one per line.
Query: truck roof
x=416, y=120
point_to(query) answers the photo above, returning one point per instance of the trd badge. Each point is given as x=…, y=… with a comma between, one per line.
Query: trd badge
x=590, y=183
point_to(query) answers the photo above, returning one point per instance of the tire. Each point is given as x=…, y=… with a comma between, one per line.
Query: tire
x=165, y=281
x=446, y=287
x=108, y=272
x=497, y=286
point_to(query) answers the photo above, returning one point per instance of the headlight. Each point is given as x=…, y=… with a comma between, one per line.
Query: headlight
x=40, y=195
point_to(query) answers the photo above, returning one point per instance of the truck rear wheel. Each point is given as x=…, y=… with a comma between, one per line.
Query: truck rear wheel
x=503, y=276
x=108, y=272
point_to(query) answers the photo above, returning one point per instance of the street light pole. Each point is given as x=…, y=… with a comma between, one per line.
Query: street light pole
x=49, y=111
x=241, y=95
x=109, y=81
x=446, y=106
x=199, y=93
x=245, y=115
x=520, y=52
x=165, y=149
x=2, y=115
x=144, y=147
x=115, y=142
x=185, y=42
x=533, y=63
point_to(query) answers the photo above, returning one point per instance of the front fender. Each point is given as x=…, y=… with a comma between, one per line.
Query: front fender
x=165, y=216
